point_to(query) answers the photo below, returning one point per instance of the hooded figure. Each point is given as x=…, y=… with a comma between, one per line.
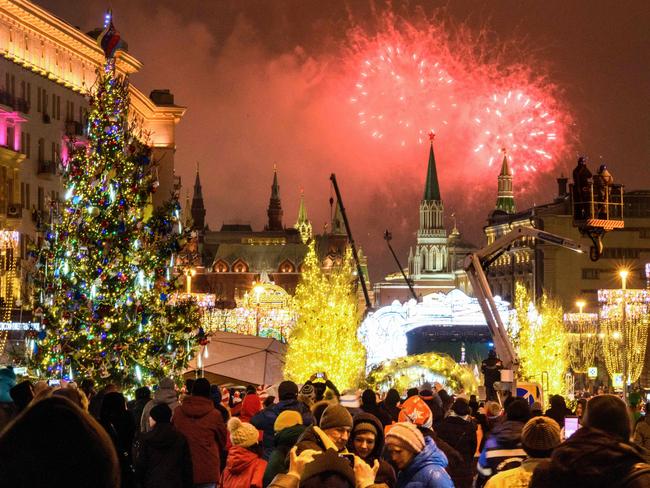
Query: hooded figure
x=166, y=393
x=367, y=442
x=251, y=405
x=419, y=462
x=558, y=409
x=598, y=454
x=288, y=429
x=205, y=431
x=118, y=423
x=369, y=405
x=215, y=394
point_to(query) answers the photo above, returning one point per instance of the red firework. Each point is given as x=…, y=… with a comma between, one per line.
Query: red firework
x=410, y=82
x=525, y=126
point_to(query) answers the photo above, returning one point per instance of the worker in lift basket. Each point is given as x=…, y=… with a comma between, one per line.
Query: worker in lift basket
x=491, y=369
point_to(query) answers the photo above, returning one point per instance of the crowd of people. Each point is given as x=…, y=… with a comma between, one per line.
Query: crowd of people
x=290, y=436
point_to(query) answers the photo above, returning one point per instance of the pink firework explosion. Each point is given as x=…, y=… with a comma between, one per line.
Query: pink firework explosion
x=524, y=126
x=410, y=81
x=403, y=93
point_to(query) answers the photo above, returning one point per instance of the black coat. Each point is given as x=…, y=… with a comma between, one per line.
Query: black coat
x=386, y=473
x=593, y=459
x=461, y=435
x=162, y=458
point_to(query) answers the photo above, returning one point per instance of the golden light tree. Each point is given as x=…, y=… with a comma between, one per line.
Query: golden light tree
x=541, y=341
x=325, y=335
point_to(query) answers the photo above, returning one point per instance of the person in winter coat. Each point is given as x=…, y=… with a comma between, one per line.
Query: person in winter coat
x=217, y=399
x=539, y=437
x=642, y=429
x=433, y=401
x=7, y=407
x=367, y=442
x=264, y=420
x=136, y=407
x=244, y=466
x=251, y=405
x=390, y=404
x=369, y=405
x=599, y=454
x=22, y=394
x=459, y=431
x=333, y=431
x=320, y=387
x=56, y=444
x=288, y=429
x=558, y=409
x=162, y=456
x=166, y=393
x=503, y=449
x=419, y=462
x=415, y=411
x=118, y=423
x=204, y=428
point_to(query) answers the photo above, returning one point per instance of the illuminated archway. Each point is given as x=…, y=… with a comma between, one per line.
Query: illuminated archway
x=408, y=371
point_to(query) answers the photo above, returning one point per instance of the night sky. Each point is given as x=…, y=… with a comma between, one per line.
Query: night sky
x=268, y=82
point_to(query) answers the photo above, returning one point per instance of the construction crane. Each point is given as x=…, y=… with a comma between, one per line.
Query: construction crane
x=475, y=265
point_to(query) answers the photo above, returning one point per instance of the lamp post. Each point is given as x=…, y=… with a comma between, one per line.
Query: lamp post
x=623, y=273
x=581, y=305
x=188, y=280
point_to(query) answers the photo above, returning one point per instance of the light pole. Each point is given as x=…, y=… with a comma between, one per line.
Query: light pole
x=581, y=305
x=623, y=273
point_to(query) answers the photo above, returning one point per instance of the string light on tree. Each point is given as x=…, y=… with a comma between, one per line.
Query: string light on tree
x=104, y=272
x=325, y=335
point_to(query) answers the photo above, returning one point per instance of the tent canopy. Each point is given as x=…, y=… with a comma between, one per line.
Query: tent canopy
x=240, y=359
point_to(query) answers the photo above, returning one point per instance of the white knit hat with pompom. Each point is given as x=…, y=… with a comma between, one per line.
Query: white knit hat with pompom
x=242, y=433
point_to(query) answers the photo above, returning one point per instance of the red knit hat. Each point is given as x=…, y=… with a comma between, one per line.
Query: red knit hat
x=415, y=411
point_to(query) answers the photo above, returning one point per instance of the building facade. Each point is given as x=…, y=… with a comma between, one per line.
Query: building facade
x=435, y=263
x=47, y=69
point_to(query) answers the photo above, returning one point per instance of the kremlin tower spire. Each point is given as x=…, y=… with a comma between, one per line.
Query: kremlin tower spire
x=431, y=252
x=505, y=195
x=303, y=225
x=274, y=211
x=198, y=209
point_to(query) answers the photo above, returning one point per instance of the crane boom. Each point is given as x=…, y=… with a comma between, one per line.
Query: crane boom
x=475, y=264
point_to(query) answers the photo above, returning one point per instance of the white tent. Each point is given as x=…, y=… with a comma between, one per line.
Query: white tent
x=240, y=359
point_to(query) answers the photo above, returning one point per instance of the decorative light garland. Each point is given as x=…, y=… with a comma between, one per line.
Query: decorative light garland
x=583, y=340
x=624, y=324
x=9, y=285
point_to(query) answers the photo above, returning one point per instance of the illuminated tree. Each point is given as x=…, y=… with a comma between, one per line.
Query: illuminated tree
x=105, y=268
x=541, y=340
x=325, y=335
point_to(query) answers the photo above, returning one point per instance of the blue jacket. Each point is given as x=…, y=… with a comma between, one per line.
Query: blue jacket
x=427, y=470
x=265, y=419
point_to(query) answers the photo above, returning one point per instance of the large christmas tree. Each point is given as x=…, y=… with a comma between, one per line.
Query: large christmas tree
x=324, y=338
x=105, y=271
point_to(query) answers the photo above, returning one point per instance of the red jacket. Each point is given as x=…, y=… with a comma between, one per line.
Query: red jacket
x=244, y=469
x=205, y=431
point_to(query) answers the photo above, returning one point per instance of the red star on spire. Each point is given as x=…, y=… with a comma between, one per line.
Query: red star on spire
x=432, y=136
x=504, y=151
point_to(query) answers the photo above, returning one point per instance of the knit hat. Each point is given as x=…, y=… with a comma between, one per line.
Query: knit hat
x=365, y=427
x=287, y=418
x=407, y=435
x=541, y=434
x=328, y=462
x=460, y=407
x=242, y=434
x=161, y=413
x=308, y=391
x=416, y=411
x=287, y=390
x=608, y=413
x=201, y=388
x=335, y=416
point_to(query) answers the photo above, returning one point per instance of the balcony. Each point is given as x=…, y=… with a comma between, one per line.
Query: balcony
x=47, y=168
x=74, y=129
x=17, y=104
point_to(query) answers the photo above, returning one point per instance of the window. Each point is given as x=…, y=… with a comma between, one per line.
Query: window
x=22, y=195
x=58, y=107
x=28, y=196
x=39, y=95
x=590, y=273
x=220, y=267
x=240, y=267
x=41, y=199
x=287, y=267
x=41, y=149
x=28, y=145
x=44, y=96
x=29, y=93
x=644, y=233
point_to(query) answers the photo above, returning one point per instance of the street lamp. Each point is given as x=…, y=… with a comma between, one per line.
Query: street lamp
x=581, y=305
x=188, y=279
x=623, y=273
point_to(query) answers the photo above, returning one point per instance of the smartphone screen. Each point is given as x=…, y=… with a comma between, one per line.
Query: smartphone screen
x=571, y=425
x=319, y=375
x=349, y=458
x=54, y=382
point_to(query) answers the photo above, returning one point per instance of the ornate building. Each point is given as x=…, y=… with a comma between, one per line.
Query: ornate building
x=435, y=264
x=47, y=68
x=236, y=257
